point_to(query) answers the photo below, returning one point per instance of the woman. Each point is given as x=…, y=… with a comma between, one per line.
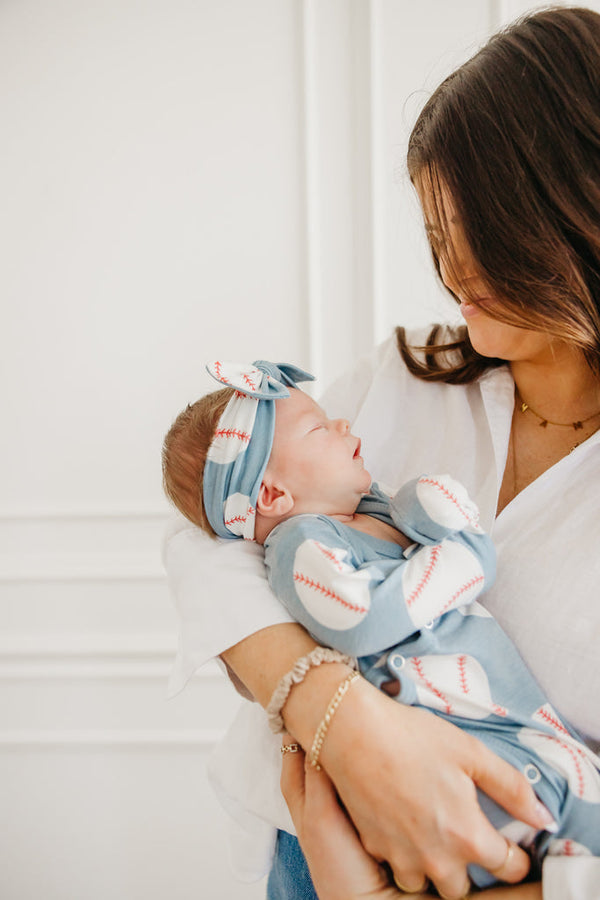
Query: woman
x=505, y=158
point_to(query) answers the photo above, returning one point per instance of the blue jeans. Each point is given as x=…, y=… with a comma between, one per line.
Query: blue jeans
x=289, y=878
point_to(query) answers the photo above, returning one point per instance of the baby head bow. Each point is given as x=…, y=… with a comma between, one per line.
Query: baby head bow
x=241, y=446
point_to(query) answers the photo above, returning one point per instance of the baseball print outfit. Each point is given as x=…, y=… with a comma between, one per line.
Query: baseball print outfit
x=411, y=617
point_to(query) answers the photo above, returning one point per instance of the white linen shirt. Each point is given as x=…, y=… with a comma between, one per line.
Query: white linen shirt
x=545, y=595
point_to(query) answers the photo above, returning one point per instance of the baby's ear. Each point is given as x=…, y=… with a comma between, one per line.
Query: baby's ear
x=274, y=501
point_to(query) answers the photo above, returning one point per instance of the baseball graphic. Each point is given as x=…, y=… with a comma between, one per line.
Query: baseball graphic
x=247, y=378
x=567, y=847
x=236, y=512
x=331, y=590
x=447, y=502
x=566, y=755
x=234, y=430
x=439, y=578
x=455, y=684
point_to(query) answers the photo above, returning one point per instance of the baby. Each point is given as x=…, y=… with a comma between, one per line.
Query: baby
x=392, y=581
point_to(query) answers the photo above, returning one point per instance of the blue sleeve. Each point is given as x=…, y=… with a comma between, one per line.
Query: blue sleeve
x=364, y=607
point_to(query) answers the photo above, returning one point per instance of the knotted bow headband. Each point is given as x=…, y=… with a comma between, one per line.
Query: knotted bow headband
x=241, y=447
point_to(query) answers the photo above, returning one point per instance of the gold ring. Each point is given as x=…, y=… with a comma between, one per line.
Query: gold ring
x=510, y=850
x=289, y=748
x=406, y=890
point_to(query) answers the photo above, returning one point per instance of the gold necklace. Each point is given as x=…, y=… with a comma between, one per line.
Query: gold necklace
x=579, y=423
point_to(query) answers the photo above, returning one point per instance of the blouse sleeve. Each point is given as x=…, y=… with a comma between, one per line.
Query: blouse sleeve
x=220, y=592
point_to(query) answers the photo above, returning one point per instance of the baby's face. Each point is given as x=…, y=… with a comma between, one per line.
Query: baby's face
x=318, y=459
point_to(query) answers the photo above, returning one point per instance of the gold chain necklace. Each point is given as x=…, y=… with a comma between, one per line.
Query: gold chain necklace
x=579, y=423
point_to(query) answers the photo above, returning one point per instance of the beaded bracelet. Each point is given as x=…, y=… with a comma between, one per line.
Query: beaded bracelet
x=315, y=750
x=295, y=676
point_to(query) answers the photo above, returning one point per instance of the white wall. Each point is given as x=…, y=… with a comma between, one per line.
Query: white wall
x=180, y=179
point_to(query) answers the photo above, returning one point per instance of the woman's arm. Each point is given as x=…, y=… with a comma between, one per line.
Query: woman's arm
x=406, y=777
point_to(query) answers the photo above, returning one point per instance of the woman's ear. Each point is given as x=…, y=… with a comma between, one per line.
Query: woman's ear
x=274, y=501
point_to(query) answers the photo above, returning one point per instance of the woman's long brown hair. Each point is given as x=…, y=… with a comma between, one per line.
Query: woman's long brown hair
x=513, y=135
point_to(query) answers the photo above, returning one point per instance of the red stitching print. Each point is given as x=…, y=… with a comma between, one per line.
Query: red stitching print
x=412, y=598
x=233, y=433
x=239, y=520
x=330, y=555
x=462, y=674
x=465, y=587
x=219, y=372
x=552, y=721
x=448, y=494
x=418, y=665
x=576, y=755
x=249, y=381
x=326, y=592
x=568, y=848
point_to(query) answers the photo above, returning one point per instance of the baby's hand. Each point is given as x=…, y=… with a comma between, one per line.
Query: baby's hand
x=447, y=502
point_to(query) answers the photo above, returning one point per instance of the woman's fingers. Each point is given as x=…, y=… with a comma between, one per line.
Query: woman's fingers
x=338, y=863
x=292, y=776
x=447, y=869
x=509, y=788
x=410, y=888
x=509, y=863
x=409, y=784
x=515, y=865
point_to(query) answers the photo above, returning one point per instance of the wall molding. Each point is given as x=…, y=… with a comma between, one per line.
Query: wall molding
x=36, y=514
x=78, y=567
x=81, y=545
x=70, y=670
x=110, y=739
x=87, y=657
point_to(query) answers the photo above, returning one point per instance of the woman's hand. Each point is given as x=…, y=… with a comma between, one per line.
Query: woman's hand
x=340, y=867
x=408, y=781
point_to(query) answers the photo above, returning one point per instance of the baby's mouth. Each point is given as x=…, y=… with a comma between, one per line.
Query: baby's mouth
x=357, y=451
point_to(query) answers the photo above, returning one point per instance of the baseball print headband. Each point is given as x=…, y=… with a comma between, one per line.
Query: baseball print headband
x=241, y=446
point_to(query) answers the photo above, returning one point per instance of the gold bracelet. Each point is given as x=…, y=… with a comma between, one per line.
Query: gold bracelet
x=315, y=750
x=295, y=676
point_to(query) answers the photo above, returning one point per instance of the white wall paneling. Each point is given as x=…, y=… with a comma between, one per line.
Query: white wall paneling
x=336, y=125
x=180, y=180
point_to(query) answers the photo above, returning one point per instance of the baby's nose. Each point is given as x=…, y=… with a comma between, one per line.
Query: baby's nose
x=343, y=426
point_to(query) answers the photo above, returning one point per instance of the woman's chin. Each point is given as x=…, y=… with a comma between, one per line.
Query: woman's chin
x=488, y=336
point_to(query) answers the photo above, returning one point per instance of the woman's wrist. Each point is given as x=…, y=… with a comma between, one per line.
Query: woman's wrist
x=308, y=701
x=321, y=732
x=363, y=704
x=318, y=656
x=261, y=659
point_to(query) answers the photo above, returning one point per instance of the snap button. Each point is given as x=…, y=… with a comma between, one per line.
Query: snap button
x=532, y=773
x=397, y=661
x=429, y=624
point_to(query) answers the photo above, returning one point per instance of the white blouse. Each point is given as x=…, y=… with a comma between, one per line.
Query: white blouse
x=545, y=595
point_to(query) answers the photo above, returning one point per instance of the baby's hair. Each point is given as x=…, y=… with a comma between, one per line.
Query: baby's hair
x=184, y=453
